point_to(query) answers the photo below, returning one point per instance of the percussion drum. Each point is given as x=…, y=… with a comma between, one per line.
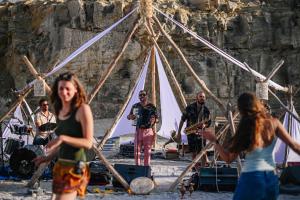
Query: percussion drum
x=21, y=160
x=22, y=130
x=141, y=185
x=13, y=144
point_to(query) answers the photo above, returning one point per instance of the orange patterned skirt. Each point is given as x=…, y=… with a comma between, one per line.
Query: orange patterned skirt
x=66, y=181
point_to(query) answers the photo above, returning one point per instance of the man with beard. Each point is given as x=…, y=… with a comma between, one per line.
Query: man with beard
x=196, y=113
x=46, y=118
x=145, y=115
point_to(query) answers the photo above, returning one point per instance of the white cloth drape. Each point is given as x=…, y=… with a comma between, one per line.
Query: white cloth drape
x=170, y=111
x=123, y=125
x=279, y=149
x=218, y=50
x=17, y=120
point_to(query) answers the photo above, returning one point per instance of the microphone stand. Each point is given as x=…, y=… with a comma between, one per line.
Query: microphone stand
x=2, y=151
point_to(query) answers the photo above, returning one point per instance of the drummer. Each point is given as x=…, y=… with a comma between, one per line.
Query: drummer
x=44, y=120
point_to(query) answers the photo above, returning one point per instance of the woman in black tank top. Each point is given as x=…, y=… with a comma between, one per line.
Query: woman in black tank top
x=75, y=134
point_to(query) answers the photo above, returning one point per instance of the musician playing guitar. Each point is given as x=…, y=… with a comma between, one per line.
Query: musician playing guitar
x=197, y=116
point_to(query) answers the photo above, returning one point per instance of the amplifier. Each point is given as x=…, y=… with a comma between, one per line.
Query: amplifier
x=99, y=174
x=221, y=178
x=130, y=172
x=127, y=150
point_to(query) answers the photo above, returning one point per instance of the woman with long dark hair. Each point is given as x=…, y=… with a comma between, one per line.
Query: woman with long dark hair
x=256, y=136
x=75, y=134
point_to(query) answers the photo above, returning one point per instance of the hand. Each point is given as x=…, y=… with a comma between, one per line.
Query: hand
x=54, y=144
x=131, y=117
x=208, y=135
x=39, y=160
x=152, y=120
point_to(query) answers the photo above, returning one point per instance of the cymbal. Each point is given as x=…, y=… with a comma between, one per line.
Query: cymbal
x=48, y=126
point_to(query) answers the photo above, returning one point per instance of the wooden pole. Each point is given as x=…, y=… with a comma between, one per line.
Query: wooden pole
x=232, y=128
x=114, y=62
x=37, y=174
x=108, y=133
x=199, y=156
x=153, y=87
x=177, y=86
x=199, y=81
x=284, y=106
x=35, y=73
x=16, y=103
x=274, y=70
x=111, y=169
x=289, y=129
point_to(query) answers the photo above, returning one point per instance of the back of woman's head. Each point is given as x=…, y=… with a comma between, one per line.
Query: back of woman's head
x=251, y=123
x=79, y=97
x=249, y=105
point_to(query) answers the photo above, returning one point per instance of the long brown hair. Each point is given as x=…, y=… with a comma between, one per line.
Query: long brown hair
x=251, y=124
x=78, y=99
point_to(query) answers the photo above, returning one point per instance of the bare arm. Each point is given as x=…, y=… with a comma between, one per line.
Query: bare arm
x=224, y=154
x=285, y=137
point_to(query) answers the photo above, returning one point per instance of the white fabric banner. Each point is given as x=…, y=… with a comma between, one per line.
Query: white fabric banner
x=9, y=131
x=219, y=51
x=170, y=111
x=279, y=149
x=123, y=125
x=85, y=46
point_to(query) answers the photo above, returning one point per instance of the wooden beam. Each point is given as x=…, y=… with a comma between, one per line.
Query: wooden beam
x=199, y=156
x=232, y=128
x=153, y=87
x=274, y=70
x=114, y=62
x=199, y=81
x=284, y=106
x=35, y=73
x=177, y=86
x=25, y=92
x=111, y=169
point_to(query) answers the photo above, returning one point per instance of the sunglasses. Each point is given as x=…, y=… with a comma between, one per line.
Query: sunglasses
x=65, y=76
x=142, y=95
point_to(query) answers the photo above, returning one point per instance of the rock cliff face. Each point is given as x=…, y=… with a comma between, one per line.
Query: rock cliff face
x=257, y=32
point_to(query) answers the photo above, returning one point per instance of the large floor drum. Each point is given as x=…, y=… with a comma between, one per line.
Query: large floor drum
x=21, y=160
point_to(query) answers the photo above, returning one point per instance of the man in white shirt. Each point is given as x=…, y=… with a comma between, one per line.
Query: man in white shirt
x=44, y=121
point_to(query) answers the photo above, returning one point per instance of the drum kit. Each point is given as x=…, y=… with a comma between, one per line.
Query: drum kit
x=20, y=155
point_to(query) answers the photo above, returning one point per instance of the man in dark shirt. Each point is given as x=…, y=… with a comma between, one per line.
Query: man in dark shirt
x=145, y=116
x=196, y=113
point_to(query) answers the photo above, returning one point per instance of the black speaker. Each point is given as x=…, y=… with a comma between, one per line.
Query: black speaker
x=130, y=172
x=99, y=174
x=127, y=150
x=220, y=178
x=290, y=175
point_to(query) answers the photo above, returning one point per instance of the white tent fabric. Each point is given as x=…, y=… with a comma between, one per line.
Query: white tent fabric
x=279, y=150
x=123, y=125
x=170, y=111
x=17, y=120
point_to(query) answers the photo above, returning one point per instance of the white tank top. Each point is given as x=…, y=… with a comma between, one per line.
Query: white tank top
x=260, y=159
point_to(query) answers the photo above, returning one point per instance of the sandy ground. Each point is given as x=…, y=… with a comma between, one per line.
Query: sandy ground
x=165, y=172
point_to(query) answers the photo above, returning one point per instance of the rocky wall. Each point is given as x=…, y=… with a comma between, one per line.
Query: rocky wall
x=257, y=32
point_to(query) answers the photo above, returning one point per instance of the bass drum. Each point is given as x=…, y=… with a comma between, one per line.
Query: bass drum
x=21, y=160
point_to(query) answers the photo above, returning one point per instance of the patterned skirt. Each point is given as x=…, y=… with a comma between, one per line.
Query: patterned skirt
x=65, y=180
